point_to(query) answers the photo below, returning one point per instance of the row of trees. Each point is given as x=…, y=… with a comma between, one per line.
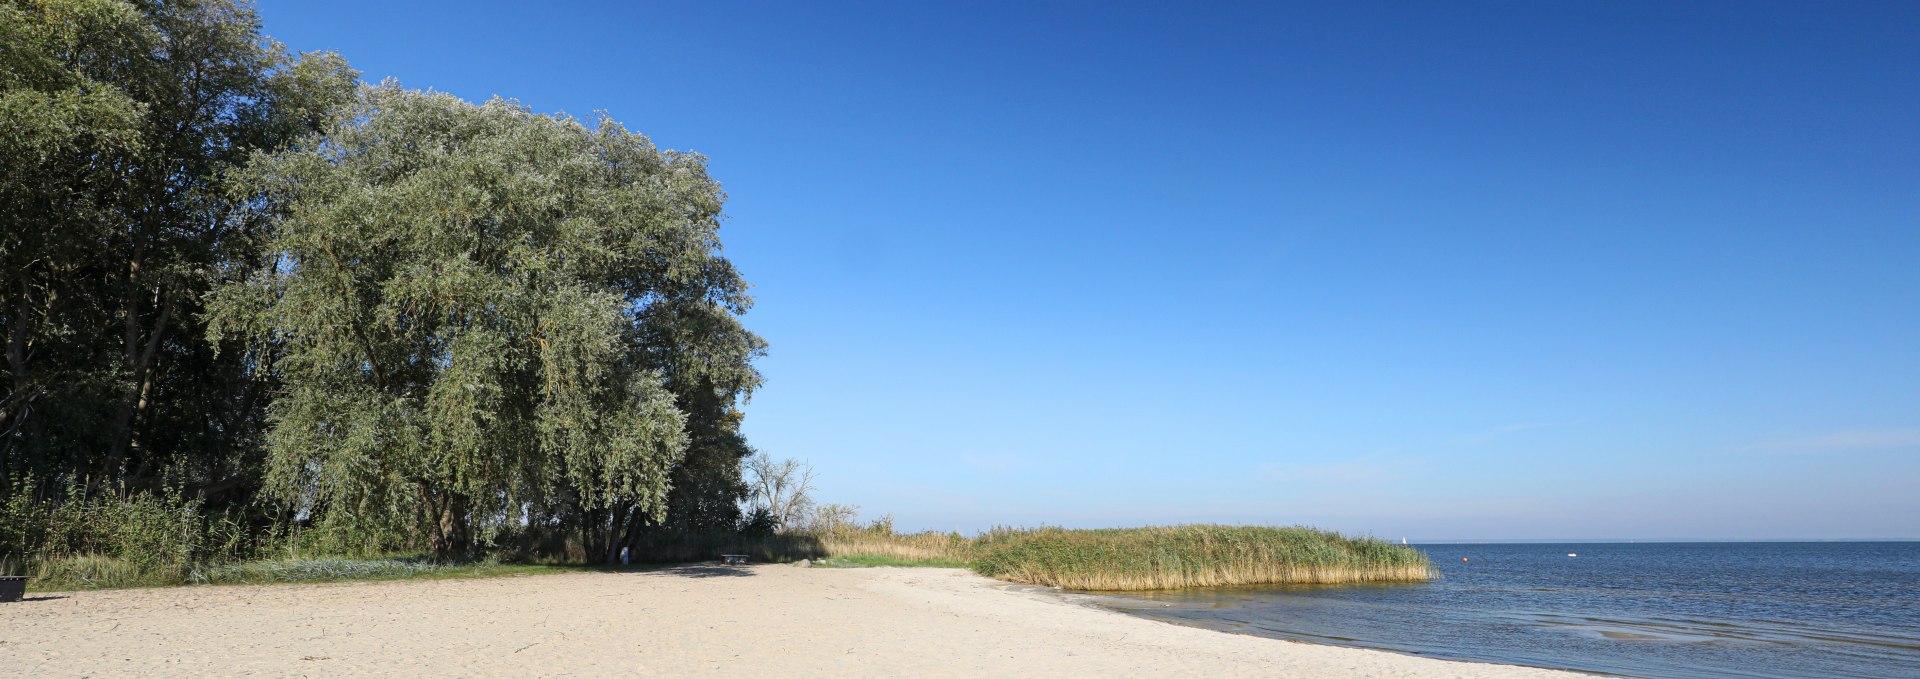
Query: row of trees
x=235, y=275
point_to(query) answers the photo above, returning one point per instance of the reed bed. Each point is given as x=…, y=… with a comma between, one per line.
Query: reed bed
x=915, y=549
x=1134, y=559
x=1175, y=557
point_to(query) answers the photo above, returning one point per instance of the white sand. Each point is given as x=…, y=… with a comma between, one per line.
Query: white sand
x=760, y=621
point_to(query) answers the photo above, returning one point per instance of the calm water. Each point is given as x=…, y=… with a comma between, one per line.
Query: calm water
x=1646, y=610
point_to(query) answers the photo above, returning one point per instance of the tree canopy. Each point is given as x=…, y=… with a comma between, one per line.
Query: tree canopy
x=123, y=125
x=233, y=275
x=475, y=310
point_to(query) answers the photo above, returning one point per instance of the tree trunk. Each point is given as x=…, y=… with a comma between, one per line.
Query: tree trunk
x=13, y=404
x=453, y=536
x=620, y=534
x=590, y=534
x=122, y=427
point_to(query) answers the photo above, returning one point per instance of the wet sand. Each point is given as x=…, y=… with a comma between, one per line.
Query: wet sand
x=753, y=621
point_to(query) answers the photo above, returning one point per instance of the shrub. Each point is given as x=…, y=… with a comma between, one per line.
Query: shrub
x=144, y=539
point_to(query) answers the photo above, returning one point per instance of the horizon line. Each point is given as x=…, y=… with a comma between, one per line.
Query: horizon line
x=1622, y=541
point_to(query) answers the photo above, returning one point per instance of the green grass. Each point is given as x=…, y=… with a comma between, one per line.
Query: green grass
x=100, y=572
x=340, y=569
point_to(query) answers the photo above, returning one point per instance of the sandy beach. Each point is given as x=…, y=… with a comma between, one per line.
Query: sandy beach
x=761, y=621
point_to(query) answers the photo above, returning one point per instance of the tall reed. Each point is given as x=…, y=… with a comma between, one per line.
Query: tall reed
x=1172, y=557
x=1165, y=557
x=917, y=547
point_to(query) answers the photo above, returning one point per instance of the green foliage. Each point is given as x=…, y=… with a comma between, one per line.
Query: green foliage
x=103, y=572
x=98, y=571
x=460, y=301
x=442, y=320
x=120, y=127
x=317, y=570
x=142, y=540
x=335, y=569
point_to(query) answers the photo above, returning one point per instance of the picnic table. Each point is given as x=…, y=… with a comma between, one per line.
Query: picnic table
x=733, y=559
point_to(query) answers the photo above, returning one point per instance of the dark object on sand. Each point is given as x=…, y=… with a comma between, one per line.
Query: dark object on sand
x=12, y=587
x=733, y=559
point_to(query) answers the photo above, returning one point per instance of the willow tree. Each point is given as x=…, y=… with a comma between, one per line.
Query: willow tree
x=120, y=123
x=465, y=304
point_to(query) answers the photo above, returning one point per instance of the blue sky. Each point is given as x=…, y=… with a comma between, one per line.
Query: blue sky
x=1451, y=270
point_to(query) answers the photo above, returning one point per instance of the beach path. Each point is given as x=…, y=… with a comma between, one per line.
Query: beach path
x=752, y=621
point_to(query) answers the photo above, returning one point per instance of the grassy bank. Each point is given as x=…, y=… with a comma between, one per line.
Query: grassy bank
x=150, y=540
x=87, y=572
x=104, y=571
x=1131, y=559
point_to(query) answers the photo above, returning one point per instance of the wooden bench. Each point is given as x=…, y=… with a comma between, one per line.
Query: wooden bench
x=733, y=559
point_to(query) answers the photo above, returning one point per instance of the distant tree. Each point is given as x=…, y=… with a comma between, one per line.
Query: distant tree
x=783, y=488
x=831, y=519
x=120, y=126
x=481, y=314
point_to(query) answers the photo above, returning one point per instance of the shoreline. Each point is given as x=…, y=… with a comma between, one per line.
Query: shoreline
x=696, y=620
x=1111, y=603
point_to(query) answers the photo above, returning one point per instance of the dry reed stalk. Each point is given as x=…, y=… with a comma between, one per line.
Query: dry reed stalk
x=1217, y=577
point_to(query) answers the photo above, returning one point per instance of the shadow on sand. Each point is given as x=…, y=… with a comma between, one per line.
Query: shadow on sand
x=705, y=570
x=43, y=597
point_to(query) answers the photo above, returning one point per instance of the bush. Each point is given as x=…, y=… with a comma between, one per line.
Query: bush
x=145, y=539
x=114, y=541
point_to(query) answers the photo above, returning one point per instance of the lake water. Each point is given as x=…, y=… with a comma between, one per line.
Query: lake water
x=1829, y=609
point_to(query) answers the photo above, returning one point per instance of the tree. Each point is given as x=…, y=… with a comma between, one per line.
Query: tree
x=120, y=124
x=783, y=488
x=480, y=316
x=706, y=357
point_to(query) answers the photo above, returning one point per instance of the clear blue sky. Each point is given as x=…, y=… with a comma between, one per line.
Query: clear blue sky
x=1445, y=270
